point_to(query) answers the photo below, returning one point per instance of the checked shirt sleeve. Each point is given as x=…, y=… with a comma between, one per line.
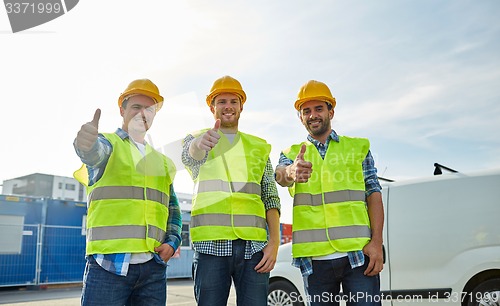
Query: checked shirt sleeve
x=174, y=222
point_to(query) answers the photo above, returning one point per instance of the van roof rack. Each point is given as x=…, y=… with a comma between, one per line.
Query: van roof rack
x=385, y=179
x=438, y=169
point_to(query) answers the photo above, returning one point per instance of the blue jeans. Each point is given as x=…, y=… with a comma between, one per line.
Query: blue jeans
x=323, y=286
x=213, y=274
x=144, y=285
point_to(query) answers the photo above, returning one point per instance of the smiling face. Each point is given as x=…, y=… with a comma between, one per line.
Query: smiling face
x=316, y=117
x=227, y=107
x=138, y=113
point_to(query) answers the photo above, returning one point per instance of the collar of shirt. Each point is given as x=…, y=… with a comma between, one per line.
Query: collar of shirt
x=333, y=136
x=323, y=147
x=124, y=135
x=121, y=133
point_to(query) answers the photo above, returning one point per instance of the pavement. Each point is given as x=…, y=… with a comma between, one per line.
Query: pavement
x=179, y=293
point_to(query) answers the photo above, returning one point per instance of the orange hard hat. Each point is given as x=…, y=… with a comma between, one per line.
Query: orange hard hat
x=226, y=84
x=142, y=87
x=314, y=90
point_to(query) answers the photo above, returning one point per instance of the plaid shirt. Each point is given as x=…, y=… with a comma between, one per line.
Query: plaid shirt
x=96, y=160
x=356, y=258
x=269, y=197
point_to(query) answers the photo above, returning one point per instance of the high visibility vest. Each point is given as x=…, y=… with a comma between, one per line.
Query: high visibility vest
x=128, y=206
x=329, y=211
x=227, y=202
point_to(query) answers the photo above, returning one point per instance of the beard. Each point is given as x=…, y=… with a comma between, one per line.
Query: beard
x=229, y=123
x=323, y=128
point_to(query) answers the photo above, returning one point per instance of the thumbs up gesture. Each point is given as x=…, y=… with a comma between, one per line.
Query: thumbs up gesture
x=210, y=138
x=87, y=135
x=300, y=171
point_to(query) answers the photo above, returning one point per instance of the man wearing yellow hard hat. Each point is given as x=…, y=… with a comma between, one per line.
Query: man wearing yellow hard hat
x=338, y=213
x=133, y=220
x=235, y=204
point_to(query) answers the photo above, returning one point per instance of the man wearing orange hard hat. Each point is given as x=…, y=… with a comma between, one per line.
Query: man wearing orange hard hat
x=235, y=203
x=338, y=213
x=134, y=220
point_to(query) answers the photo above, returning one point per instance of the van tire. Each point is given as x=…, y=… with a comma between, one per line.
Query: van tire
x=486, y=293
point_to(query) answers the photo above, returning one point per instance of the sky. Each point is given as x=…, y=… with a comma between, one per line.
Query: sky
x=419, y=78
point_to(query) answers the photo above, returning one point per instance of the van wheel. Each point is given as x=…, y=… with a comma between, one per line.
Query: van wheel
x=486, y=293
x=283, y=293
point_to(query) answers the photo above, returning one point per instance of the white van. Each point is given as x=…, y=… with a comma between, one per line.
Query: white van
x=442, y=242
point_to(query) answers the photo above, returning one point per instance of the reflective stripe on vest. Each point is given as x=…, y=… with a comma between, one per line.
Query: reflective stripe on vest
x=334, y=233
x=330, y=197
x=125, y=232
x=220, y=185
x=128, y=192
x=128, y=205
x=329, y=211
x=227, y=202
x=225, y=220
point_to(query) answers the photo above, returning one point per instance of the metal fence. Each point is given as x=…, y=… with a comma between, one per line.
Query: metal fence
x=49, y=255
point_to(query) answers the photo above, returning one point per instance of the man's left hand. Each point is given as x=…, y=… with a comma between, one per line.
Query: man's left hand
x=374, y=251
x=269, y=259
x=166, y=251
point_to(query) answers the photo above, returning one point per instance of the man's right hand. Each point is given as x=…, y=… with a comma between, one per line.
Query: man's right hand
x=300, y=171
x=87, y=136
x=210, y=138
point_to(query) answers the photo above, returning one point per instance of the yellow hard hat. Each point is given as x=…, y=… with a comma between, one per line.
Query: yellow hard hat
x=226, y=84
x=314, y=90
x=142, y=87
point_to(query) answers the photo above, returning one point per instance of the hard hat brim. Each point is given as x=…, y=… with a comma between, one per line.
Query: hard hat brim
x=328, y=100
x=240, y=93
x=158, y=99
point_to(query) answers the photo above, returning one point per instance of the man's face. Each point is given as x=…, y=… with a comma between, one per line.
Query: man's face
x=227, y=107
x=138, y=114
x=316, y=117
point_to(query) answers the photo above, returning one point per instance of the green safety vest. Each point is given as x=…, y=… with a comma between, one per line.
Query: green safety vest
x=227, y=202
x=329, y=211
x=128, y=205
